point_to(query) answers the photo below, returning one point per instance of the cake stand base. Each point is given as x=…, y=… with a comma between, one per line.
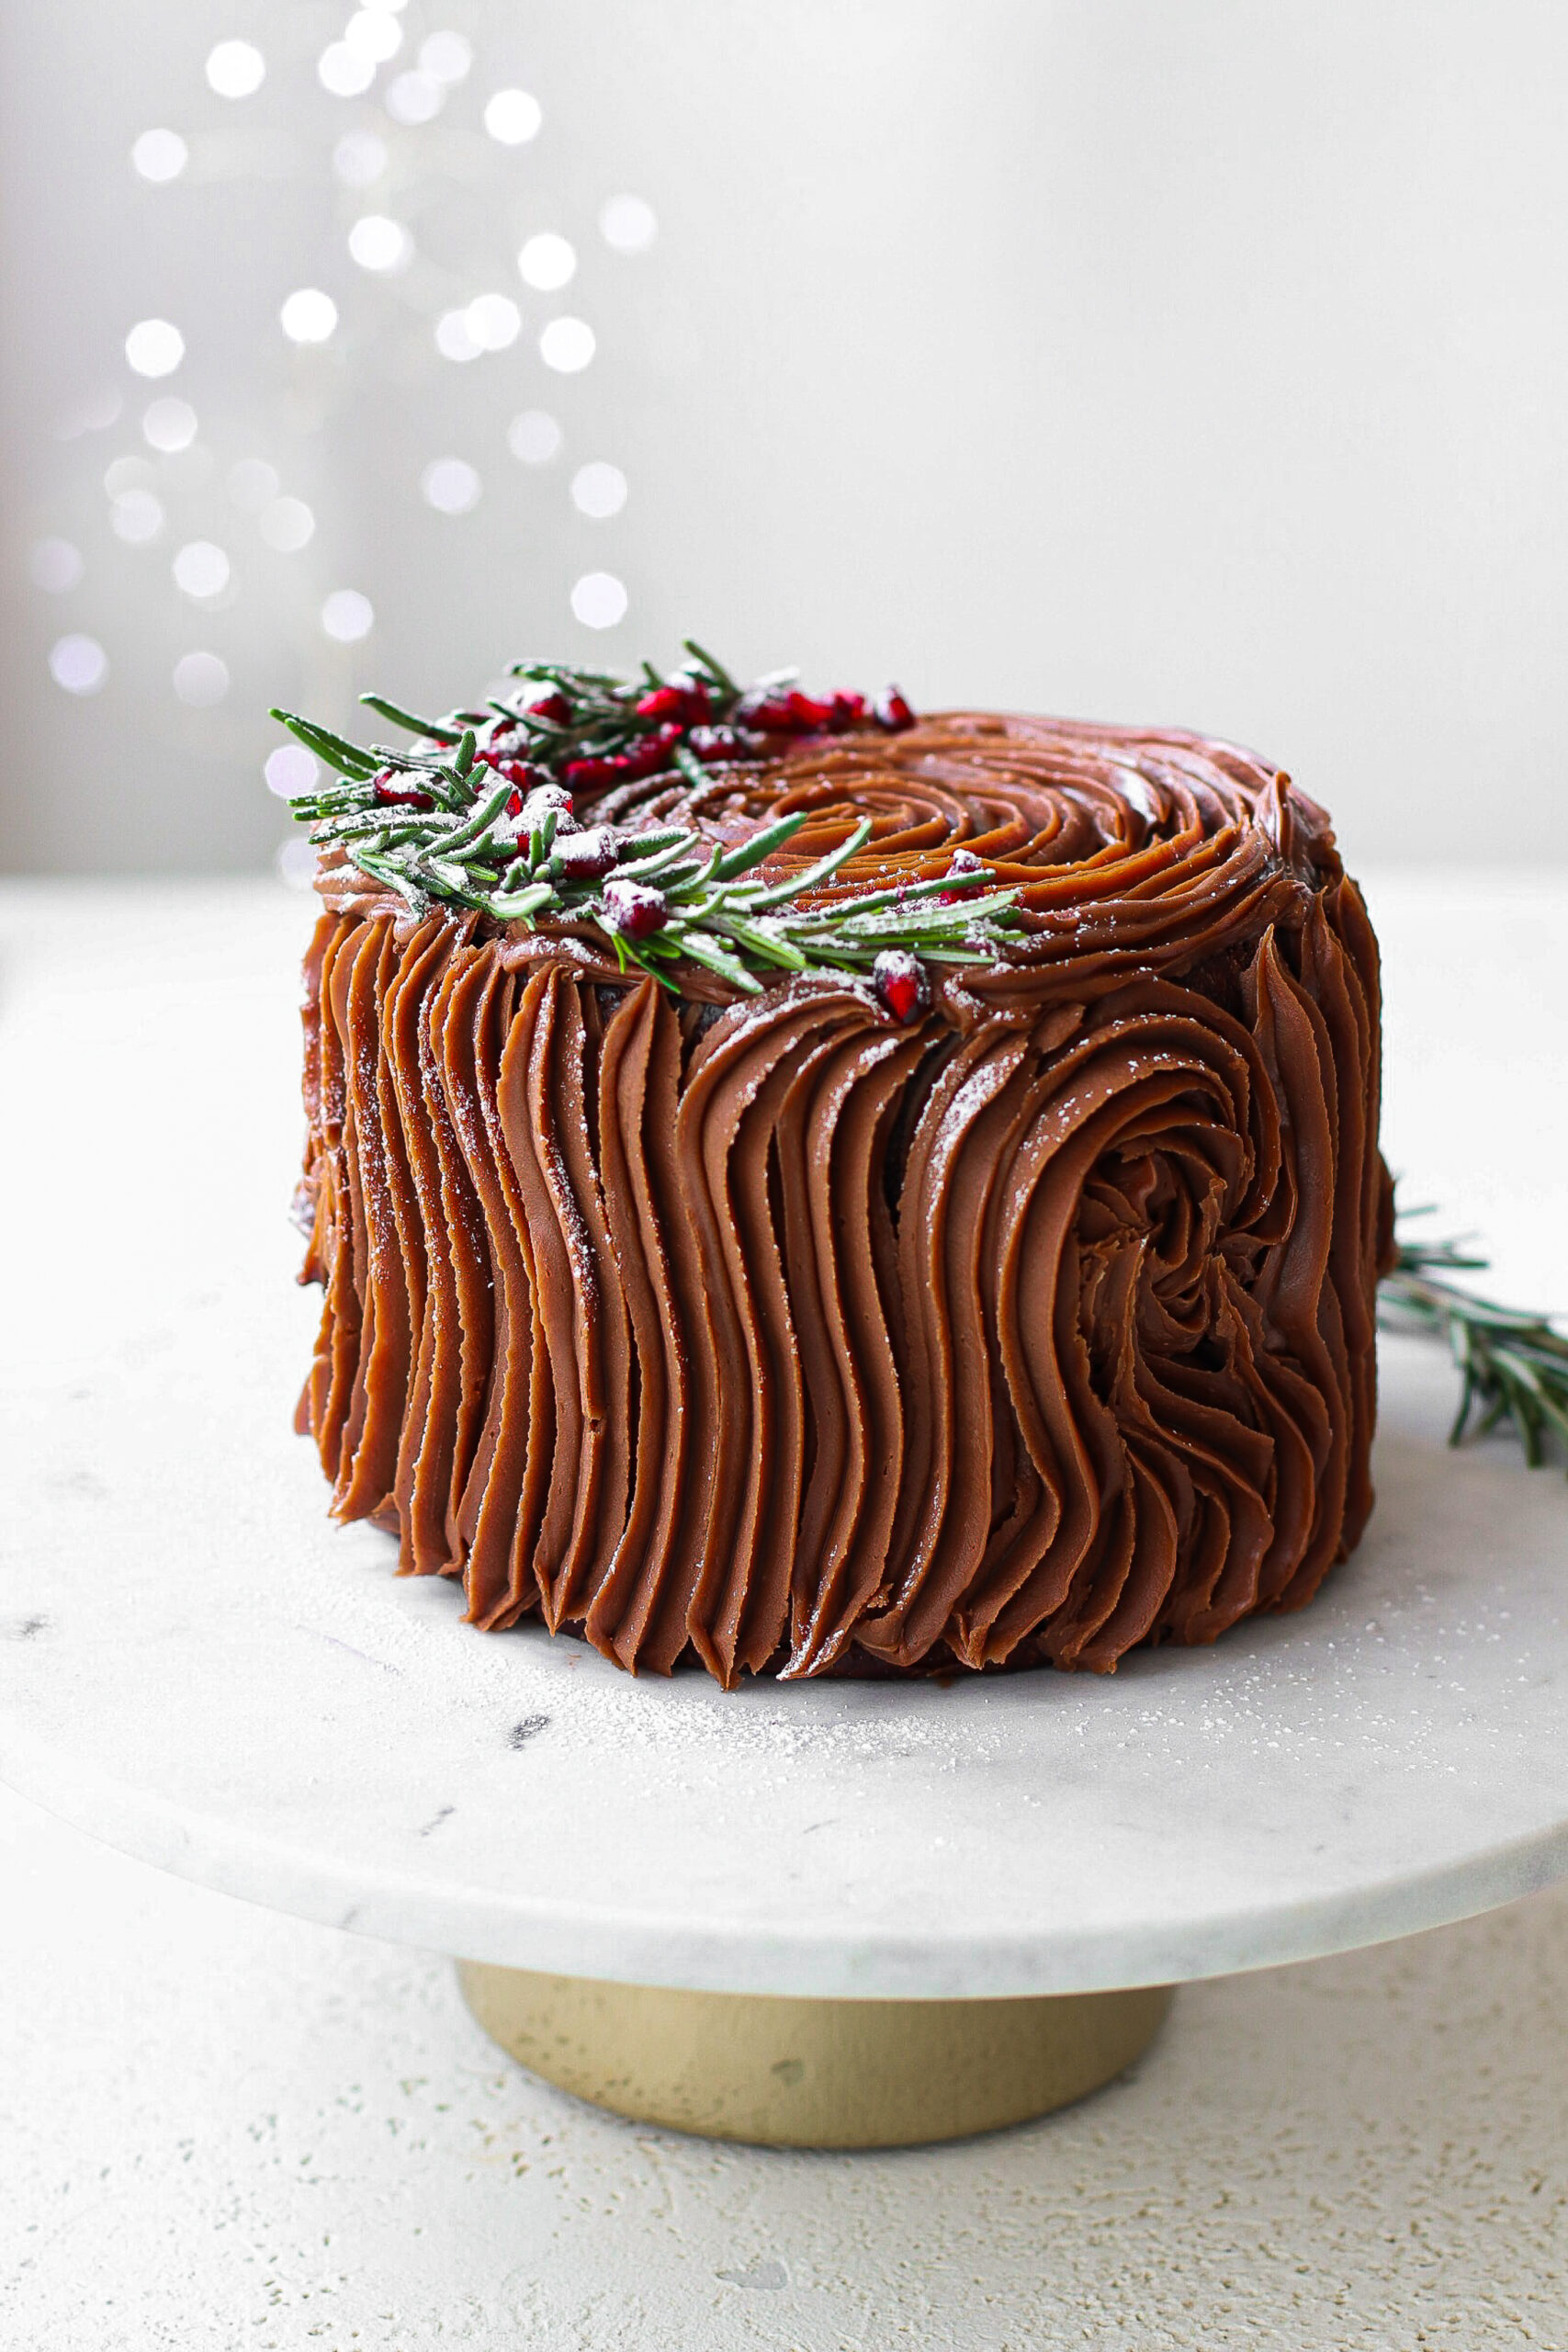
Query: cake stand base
x=811, y=2073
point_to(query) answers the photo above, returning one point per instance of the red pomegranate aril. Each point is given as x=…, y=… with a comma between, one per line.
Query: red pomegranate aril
x=591, y=775
x=634, y=908
x=391, y=794
x=544, y=792
x=806, y=714
x=847, y=711
x=963, y=861
x=648, y=753
x=549, y=800
x=662, y=702
x=772, y=713
x=587, y=856
x=899, y=980
x=553, y=706
x=515, y=771
x=892, y=711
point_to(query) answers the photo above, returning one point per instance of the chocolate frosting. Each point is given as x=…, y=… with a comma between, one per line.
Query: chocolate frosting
x=775, y=1331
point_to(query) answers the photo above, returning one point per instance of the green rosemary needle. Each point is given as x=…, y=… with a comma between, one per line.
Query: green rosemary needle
x=1513, y=1365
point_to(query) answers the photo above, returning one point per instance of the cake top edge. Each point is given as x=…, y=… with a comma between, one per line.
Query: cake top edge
x=735, y=836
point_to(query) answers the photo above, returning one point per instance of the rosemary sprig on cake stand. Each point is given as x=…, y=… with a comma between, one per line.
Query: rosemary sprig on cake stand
x=480, y=813
x=1513, y=1366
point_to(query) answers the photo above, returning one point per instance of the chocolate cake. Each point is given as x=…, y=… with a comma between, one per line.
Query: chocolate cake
x=811, y=1190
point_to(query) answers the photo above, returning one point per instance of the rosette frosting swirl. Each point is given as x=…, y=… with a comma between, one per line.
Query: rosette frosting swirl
x=778, y=1332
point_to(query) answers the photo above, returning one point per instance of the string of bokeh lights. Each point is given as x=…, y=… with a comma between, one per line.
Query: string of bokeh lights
x=412, y=88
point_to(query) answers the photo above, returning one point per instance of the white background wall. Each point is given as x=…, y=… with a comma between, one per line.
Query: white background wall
x=1206, y=362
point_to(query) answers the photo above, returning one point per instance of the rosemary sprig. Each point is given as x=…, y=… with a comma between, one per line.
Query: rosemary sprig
x=481, y=812
x=1513, y=1366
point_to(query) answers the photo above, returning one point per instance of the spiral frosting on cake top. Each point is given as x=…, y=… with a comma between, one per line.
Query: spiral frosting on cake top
x=807, y=1331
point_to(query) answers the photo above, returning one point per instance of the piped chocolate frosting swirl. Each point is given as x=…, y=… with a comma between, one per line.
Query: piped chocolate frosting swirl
x=784, y=1332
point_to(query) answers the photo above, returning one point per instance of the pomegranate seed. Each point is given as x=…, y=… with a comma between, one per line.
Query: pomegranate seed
x=807, y=714
x=634, y=908
x=589, y=775
x=963, y=861
x=847, y=711
x=515, y=771
x=391, y=794
x=892, y=711
x=514, y=804
x=707, y=744
x=545, y=793
x=587, y=856
x=651, y=752
x=900, y=981
x=553, y=705
x=772, y=713
x=662, y=702
x=545, y=801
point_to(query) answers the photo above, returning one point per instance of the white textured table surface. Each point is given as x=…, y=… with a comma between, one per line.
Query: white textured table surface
x=241, y=2129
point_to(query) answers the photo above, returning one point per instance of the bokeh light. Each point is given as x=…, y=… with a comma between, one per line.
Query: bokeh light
x=252, y=482
x=160, y=156
x=169, y=424
x=599, y=489
x=286, y=525
x=599, y=600
x=379, y=242
x=297, y=862
x=129, y=473
x=137, y=517
x=513, y=118
x=235, y=69
x=347, y=616
x=446, y=57
x=56, y=566
x=546, y=261
x=359, y=158
x=309, y=315
x=494, y=320
x=291, y=771
x=535, y=436
x=155, y=347
x=567, y=345
x=450, y=485
x=454, y=337
x=78, y=663
x=415, y=98
x=628, y=223
x=201, y=680
x=201, y=570
x=343, y=71
x=374, y=34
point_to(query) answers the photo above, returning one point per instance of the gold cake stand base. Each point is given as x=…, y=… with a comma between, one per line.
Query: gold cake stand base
x=809, y=2073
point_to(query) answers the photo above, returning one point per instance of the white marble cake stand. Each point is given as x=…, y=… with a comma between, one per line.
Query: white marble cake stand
x=197, y=1668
